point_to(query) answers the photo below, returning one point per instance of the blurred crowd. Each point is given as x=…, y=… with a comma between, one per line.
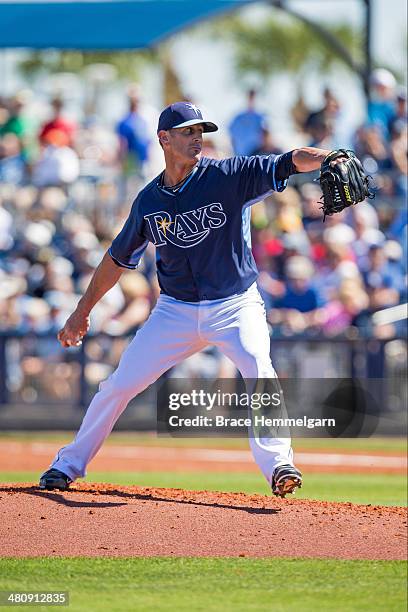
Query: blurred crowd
x=66, y=187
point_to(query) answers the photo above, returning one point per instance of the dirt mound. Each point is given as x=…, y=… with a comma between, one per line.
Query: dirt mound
x=109, y=520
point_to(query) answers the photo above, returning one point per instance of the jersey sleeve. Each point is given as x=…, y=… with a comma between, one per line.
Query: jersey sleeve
x=129, y=245
x=258, y=176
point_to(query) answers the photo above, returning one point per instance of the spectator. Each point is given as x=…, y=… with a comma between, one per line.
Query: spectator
x=327, y=115
x=134, y=134
x=13, y=167
x=346, y=309
x=58, y=165
x=399, y=159
x=267, y=144
x=381, y=107
x=365, y=223
x=311, y=207
x=4, y=114
x=322, y=134
x=17, y=122
x=287, y=211
x=295, y=309
x=299, y=293
x=384, y=283
x=395, y=257
x=58, y=122
x=371, y=149
x=400, y=110
x=12, y=289
x=6, y=224
x=246, y=128
x=329, y=275
x=136, y=307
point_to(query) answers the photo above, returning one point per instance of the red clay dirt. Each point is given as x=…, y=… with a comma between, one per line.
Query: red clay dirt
x=97, y=520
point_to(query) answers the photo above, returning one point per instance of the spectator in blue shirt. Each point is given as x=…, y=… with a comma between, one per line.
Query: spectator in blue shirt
x=385, y=286
x=381, y=109
x=247, y=128
x=379, y=273
x=133, y=131
x=13, y=168
x=299, y=294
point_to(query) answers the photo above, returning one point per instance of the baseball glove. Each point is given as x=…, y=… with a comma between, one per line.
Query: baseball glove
x=344, y=183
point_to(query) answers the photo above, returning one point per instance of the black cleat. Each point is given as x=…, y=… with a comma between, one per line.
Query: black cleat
x=54, y=479
x=286, y=479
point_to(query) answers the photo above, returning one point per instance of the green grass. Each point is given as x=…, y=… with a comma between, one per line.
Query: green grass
x=211, y=585
x=390, y=445
x=357, y=488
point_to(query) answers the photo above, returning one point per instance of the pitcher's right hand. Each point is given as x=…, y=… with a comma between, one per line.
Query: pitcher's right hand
x=75, y=328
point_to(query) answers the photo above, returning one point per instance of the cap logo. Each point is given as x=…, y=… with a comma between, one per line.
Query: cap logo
x=194, y=109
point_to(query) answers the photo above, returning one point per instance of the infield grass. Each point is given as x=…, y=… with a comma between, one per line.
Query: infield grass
x=384, y=489
x=211, y=585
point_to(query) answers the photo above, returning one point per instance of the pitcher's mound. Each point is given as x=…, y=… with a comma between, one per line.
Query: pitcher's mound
x=109, y=520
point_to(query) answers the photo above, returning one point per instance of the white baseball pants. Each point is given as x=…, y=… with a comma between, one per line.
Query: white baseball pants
x=174, y=331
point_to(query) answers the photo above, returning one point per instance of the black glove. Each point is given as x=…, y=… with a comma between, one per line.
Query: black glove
x=344, y=183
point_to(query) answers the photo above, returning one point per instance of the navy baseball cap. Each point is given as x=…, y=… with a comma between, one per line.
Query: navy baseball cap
x=183, y=114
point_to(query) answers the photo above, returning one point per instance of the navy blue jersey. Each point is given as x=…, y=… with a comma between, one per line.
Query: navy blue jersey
x=201, y=232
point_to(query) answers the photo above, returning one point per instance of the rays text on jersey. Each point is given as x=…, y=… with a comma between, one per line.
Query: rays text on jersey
x=188, y=228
